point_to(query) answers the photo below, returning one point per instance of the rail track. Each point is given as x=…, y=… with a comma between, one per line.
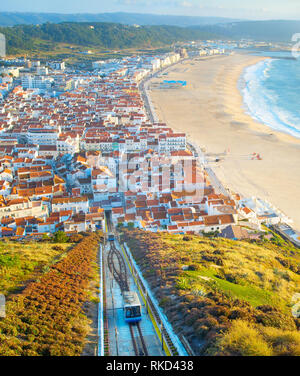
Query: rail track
x=138, y=341
x=151, y=307
x=118, y=269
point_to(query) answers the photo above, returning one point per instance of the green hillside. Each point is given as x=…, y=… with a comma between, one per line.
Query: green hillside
x=22, y=262
x=17, y=18
x=226, y=297
x=50, y=291
x=25, y=38
x=267, y=31
x=46, y=37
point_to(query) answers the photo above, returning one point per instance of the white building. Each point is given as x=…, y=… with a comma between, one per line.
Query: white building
x=155, y=64
x=103, y=183
x=42, y=71
x=45, y=136
x=172, y=142
x=36, y=82
x=57, y=65
x=19, y=208
x=76, y=204
x=68, y=145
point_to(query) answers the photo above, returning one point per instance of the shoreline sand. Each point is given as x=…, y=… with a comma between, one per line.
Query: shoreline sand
x=211, y=111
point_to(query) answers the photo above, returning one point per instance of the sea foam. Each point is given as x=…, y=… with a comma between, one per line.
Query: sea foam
x=271, y=94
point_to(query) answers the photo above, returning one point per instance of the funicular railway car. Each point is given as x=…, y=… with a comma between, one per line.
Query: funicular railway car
x=132, y=307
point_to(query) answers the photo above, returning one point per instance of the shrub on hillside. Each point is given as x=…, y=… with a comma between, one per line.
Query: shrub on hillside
x=47, y=318
x=76, y=238
x=209, y=317
x=58, y=248
x=242, y=339
x=194, y=267
x=60, y=237
x=284, y=343
x=276, y=319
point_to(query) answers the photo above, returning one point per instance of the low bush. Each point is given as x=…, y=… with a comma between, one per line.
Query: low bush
x=242, y=339
x=47, y=318
x=243, y=285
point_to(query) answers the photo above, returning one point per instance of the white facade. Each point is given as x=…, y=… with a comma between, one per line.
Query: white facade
x=57, y=65
x=42, y=136
x=155, y=64
x=36, y=82
x=68, y=146
x=24, y=209
x=172, y=143
x=42, y=71
x=77, y=205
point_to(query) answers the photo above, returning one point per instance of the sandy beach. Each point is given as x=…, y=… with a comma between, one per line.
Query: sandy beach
x=210, y=110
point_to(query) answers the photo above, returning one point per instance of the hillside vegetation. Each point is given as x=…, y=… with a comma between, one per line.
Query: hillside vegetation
x=47, y=37
x=21, y=262
x=266, y=31
x=13, y=18
x=226, y=297
x=50, y=316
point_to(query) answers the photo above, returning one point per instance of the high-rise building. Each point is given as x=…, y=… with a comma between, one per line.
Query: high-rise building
x=2, y=45
x=36, y=82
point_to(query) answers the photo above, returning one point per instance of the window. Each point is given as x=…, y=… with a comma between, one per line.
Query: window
x=133, y=312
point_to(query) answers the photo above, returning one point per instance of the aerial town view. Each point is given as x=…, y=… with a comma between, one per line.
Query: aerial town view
x=149, y=181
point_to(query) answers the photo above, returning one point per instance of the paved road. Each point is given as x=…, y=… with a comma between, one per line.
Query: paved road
x=202, y=161
x=216, y=182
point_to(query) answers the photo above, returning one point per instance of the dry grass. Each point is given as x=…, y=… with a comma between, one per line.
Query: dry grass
x=244, y=267
x=226, y=297
x=246, y=339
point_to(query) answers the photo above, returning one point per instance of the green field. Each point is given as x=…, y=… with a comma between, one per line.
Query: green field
x=252, y=294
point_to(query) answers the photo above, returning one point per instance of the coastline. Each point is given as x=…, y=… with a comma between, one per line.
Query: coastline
x=211, y=111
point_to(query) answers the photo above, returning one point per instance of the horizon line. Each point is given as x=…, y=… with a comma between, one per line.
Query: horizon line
x=238, y=19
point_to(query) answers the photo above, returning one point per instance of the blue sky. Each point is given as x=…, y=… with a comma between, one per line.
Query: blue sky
x=250, y=9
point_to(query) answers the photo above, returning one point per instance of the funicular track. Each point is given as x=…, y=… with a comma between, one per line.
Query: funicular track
x=151, y=307
x=118, y=269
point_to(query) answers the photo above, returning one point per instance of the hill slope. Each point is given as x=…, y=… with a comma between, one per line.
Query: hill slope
x=12, y=19
x=106, y=35
x=272, y=31
x=225, y=297
x=49, y=317
x=27, y=38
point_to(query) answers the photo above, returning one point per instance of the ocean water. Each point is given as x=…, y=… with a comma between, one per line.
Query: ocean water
x=271, y=91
